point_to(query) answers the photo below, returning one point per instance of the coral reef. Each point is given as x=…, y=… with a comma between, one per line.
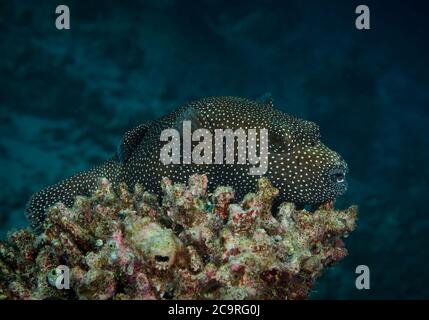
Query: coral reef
x=119, y=244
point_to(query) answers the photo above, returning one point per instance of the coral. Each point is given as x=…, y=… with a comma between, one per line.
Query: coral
x=119, y=244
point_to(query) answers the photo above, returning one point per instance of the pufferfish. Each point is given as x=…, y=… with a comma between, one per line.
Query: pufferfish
x=304, y=170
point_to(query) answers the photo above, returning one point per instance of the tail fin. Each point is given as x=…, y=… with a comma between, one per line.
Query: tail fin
x=83, y=183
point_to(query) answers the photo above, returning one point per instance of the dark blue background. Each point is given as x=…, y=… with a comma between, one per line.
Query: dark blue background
x=66, y=97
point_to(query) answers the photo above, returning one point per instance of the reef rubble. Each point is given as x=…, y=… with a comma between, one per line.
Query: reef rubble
x=190, y=244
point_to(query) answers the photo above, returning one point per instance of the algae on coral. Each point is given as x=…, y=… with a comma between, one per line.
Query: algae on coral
x=194, y=245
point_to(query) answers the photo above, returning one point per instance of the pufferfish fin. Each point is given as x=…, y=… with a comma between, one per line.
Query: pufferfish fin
x=83, y=183
x=191, y=113
x=266, y=99
x=130, y=142
x=279, y=140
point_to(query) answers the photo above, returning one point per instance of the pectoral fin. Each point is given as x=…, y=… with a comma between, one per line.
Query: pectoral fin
x=131, y=141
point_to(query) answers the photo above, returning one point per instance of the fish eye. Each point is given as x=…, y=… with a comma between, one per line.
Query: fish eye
x=339, y=177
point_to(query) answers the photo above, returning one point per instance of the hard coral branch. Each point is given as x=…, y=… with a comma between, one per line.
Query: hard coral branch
x=195, y=245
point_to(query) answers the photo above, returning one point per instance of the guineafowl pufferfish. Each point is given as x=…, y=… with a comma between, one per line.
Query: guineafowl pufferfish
x=303, y=169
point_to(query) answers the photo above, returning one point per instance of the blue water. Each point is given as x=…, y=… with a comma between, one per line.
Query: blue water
x=66, y=97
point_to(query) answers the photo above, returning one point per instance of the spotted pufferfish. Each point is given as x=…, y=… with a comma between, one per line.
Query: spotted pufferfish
x=304, y=170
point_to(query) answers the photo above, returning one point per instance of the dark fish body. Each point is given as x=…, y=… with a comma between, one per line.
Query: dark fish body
x=303, y=169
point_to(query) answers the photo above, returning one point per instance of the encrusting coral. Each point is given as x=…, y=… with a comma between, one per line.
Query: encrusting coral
x=119, y=244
